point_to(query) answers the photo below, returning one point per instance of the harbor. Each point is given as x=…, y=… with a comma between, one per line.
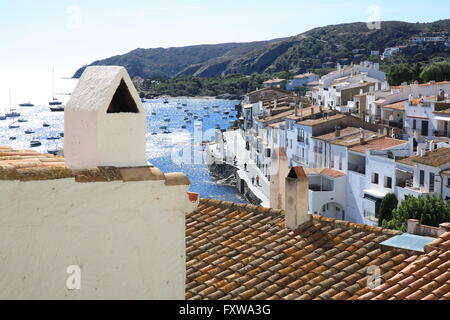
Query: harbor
x=170, y=122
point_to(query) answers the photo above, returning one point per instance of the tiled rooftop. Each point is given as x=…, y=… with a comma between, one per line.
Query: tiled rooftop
x=349, y=137
x=433, y=158
x=426, y=278
x=30, y=165
x=315, y=122
x=237, y=251
x=378, y=144
x=399, y=106
x=325, y=172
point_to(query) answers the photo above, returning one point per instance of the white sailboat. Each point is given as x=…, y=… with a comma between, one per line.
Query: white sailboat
x=12, y=112
x=55, y=104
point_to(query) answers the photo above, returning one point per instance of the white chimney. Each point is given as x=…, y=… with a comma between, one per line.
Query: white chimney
x=104, y=121
x=296, y=202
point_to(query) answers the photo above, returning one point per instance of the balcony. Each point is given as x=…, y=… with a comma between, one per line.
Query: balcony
x=300, y=160
x=393, y=124
x=358, y=168
x=442, y=134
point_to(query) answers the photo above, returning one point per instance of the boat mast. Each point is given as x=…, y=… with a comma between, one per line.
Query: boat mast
x=53, y=83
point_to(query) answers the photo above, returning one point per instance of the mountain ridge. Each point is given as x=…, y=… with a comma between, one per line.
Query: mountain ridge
x=297, y=53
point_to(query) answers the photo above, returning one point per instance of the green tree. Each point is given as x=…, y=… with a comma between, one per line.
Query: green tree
x=388, y=204
x=399, y=73
x=439, y=71
x=429, y=210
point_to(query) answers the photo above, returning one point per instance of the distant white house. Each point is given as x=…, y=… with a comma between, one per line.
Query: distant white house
x=301, y=80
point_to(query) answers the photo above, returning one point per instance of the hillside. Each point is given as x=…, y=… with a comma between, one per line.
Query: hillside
x=308, y=50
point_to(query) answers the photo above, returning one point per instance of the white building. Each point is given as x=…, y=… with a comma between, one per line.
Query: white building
x=423, y=174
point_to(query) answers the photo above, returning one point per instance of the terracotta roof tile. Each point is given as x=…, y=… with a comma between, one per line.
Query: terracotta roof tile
x=317, y=262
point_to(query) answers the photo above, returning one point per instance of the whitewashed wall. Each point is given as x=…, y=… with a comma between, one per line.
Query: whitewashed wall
x=128, y=238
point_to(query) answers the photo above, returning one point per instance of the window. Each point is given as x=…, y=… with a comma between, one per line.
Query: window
x=424, y=129
x=431, y=189
x=375, y=178
x=422, y=178
x=388, y=182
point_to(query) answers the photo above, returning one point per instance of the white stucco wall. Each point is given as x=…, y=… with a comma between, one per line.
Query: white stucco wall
x=127, y=237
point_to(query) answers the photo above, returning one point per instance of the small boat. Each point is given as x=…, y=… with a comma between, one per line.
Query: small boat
x=166, y=119
x=195, y=116
x=153, y=113
x=26, y=104
x=190, y=114
x=3, y=117
x=183, y=126
x=54, y=151
x=13, y=114
x=189, y=121
x=166, y=101
x=57, y=108
x=226, y=112
x=167, y=132
x=55, y=102
x=35, y=143
x=179, y=107
x=154, y=133
x=206, y=108
x=231, y=116
x=29, y=131
x=184, y=104
x=206, y=116
x=61, y=134
x=216, y=111
x=12, y=138
x=218, y=127
x=224, y=118
x=186, y=119
x=163, y=127
x=53, y=137
x=45, y=125
x=22, y=120
x=14, y=126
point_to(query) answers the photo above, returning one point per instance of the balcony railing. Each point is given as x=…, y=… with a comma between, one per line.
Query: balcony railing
x=299, y=159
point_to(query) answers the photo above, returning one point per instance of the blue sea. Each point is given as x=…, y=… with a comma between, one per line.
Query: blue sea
x=176, y=150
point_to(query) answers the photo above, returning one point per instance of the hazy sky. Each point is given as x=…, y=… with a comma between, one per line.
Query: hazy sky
x=37, y=35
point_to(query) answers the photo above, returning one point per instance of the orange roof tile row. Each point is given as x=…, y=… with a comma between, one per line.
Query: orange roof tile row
x=426, y=278
x=29, y=165
x=433, y=158
x=325, y=172
x=399, y=106
x=378, y=144
x=244, y=252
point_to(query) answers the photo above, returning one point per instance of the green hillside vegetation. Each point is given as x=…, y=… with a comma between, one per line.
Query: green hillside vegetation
x=309, y=50
x=233, y=85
